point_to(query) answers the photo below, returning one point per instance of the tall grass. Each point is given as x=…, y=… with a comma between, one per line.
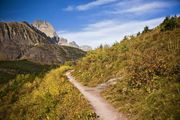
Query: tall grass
x=47, y=97
x=149, y=67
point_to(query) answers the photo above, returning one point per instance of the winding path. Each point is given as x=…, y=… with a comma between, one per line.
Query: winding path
x=103, y=109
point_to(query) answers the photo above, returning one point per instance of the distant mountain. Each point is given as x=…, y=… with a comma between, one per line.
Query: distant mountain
x=86, y=47
x=49, y=30
x=20, y=40
x=74, y=44
x=63, y=41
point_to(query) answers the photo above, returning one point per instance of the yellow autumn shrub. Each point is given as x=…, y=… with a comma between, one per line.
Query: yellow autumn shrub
x=50, y=97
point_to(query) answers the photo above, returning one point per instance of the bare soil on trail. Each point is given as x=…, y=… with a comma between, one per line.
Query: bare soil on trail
x=101, y=107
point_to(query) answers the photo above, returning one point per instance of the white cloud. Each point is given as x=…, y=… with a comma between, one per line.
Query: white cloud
x=69, y=8
x=89, y=5
x=138, y=7
x=94, y=4
x=107, y=32
x=99, y=25
x=147, y=6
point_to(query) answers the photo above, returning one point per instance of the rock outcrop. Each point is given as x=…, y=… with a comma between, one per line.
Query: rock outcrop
x=48, y=29
x=20, y=40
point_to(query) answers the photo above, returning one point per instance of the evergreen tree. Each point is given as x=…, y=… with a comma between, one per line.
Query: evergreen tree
x=146, y=29
x=138, y=33
x=101, y=46
x=169, y=23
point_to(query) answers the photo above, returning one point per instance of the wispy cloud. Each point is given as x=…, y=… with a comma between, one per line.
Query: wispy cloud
x=89, y=5
x=69, y=8
x=147, y=6
x=107, y=32
x=94, y=4
x=138, y=7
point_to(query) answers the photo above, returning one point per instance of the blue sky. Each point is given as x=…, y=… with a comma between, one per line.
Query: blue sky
x=91, y=22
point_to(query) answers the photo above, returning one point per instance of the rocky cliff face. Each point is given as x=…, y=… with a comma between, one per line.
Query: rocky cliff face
x=46, y=28
x=20, y=40
x=49, y=30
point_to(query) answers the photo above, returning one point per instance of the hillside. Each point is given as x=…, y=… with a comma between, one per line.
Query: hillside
x=146, y=68
x=20, y=40
x=32, y=84
x=39, y=92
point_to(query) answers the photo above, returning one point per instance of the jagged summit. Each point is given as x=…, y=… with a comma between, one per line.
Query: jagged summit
x=45, y=27
x=49, y=30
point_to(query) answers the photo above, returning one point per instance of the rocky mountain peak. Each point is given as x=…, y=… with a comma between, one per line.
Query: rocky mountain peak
x=49, y=30
x=20, y=40
x=45, y=27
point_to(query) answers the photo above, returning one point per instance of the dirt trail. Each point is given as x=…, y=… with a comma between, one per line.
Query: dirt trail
x=103, y=109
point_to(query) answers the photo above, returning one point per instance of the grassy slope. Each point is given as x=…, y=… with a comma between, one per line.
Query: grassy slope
x=149, y=65
x=31, y=92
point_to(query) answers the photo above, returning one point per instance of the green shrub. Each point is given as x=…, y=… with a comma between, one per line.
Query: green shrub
x=146, y=29
x=169, y=23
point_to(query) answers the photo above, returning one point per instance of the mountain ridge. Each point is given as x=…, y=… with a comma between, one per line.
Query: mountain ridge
x=20, y=40
x=50, y=31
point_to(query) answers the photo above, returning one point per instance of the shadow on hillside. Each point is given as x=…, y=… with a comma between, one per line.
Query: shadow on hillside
x=10, y=69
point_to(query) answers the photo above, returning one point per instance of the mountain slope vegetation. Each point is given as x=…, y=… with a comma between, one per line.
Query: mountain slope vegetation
x=39, y=92
x=147, y=68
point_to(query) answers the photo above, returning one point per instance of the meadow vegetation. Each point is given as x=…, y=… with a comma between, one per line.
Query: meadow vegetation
x=148, y=68
x=40, y=92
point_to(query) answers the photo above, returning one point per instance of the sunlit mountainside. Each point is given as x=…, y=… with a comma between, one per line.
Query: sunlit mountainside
x=89, y=60
x=146, y=67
